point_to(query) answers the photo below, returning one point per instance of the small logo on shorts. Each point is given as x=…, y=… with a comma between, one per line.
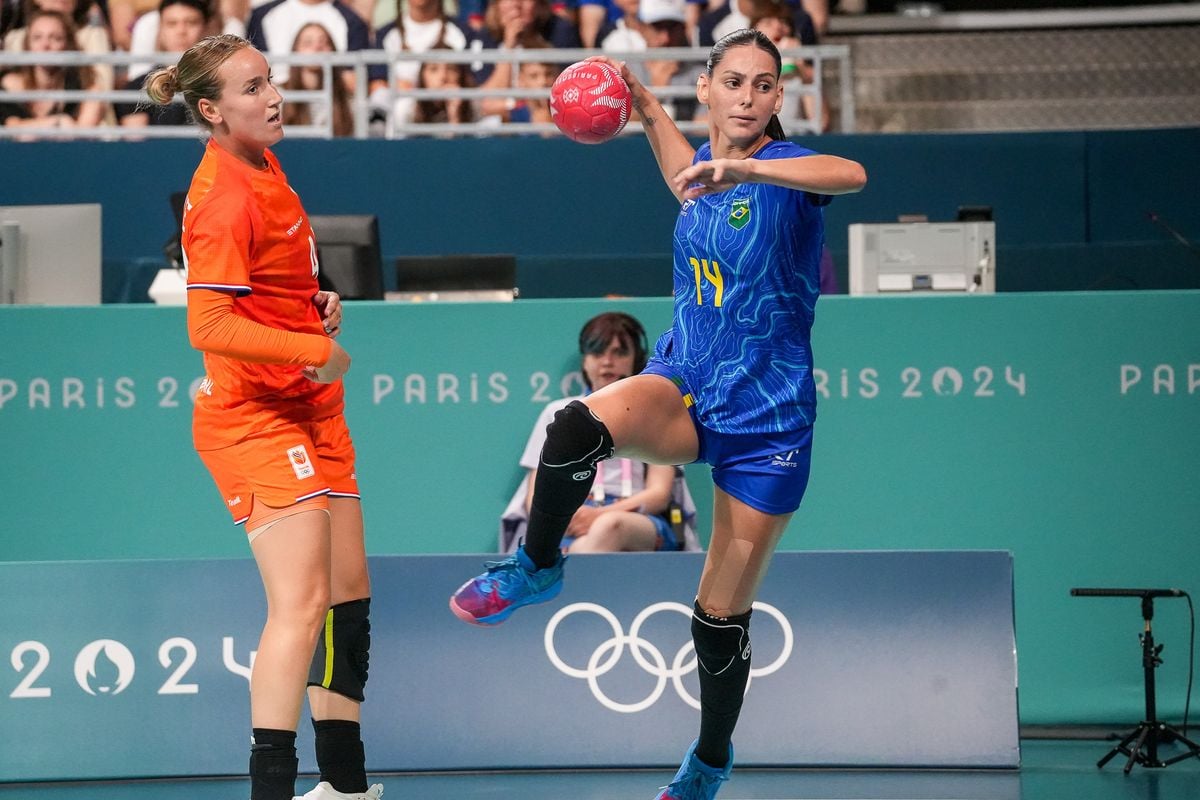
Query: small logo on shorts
x=298, y=457
x=234, y=501
x=786, y=460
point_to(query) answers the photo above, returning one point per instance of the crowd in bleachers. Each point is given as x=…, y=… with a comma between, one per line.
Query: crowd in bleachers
x=157, y=28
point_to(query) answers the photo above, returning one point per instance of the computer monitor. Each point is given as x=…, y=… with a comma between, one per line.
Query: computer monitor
x=348, y=255
x=50, y=255
x=461, y=277
x=923, y=257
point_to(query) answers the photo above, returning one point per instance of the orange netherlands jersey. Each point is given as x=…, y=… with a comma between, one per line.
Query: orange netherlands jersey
x=245, y=233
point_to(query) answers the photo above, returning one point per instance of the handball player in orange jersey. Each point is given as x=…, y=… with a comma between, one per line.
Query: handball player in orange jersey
x=268, y=419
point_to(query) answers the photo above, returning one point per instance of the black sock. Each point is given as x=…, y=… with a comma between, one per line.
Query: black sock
x=543, y=537
x=723, y=652
x=340, y=755
x=273, y=765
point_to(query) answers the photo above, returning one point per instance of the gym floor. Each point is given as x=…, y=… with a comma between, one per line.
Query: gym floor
x=1051, y=769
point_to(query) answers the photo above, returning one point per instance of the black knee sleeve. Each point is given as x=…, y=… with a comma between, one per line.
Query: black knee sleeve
x=722, y=643
x=575, y=441
x=343, y=650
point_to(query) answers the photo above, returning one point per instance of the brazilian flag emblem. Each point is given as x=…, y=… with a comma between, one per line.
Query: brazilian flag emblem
x=740, y=214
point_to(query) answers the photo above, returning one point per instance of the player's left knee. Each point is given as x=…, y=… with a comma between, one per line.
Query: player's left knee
x=343, y=650
x=720, y=641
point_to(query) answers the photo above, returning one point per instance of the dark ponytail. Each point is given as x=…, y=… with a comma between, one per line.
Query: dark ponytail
x=775, y=129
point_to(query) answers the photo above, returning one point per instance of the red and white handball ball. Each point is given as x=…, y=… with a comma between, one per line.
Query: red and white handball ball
x=590, y=102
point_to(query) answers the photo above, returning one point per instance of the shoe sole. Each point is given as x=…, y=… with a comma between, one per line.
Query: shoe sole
x=496, y=619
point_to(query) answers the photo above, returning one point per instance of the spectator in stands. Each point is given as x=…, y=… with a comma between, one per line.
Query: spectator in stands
x=624, y=33
x=145, y=31
x=513, y=24
x=423, y=26
x=777, y=21
x=532, y=75
x=273, y=27
x=609, y=13
x=91, y=37
x=50, y=32
x=472, y=13
x=597, y=15
x=732, y=15
x=630, y=507
x=314, y=38
x=180, y=24
x=664, y=24
x=439, y=75
x=132, y=31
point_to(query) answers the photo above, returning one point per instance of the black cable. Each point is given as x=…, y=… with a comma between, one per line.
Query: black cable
x=1187, y=703
x=1176, y=235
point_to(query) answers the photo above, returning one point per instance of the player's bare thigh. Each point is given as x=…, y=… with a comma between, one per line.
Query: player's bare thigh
x=647, y=419
x=349, y=577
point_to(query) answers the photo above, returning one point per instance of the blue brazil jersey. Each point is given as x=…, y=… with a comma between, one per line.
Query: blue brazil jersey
x=747, y=277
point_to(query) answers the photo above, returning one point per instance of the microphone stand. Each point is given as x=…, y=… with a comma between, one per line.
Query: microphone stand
x=1150, y=732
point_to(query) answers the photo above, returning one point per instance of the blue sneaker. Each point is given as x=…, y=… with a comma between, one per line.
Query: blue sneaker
x=490, y=598
x=695, y=779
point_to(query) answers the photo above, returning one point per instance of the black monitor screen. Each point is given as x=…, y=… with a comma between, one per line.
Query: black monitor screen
x=348, y=253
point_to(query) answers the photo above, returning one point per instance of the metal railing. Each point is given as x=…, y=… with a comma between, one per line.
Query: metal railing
x=359, y=63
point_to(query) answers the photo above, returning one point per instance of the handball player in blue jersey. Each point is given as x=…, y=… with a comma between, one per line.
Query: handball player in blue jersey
x=730, y=384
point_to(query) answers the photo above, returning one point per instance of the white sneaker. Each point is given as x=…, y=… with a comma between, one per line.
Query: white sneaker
x=324, y=791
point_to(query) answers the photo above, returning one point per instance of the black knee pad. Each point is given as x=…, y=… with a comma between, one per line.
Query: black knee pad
x=343, y=650
x=575, y=441
x=721, y=642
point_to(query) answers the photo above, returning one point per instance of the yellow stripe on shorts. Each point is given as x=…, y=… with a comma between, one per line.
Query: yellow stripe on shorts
x=688, y=402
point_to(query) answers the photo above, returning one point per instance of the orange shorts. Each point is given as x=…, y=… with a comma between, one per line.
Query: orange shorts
x=282, y=466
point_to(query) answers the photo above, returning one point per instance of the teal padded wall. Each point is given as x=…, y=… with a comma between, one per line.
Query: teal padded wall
x=1060, y=427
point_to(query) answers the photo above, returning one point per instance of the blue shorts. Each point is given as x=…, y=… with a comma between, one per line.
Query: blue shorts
x=766, y=471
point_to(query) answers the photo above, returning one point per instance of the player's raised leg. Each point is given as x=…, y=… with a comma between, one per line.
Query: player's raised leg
x=642, y=416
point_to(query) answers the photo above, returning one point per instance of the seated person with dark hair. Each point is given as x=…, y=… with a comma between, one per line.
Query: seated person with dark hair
x=181, y=24
x=633, y=506
x=50, y=32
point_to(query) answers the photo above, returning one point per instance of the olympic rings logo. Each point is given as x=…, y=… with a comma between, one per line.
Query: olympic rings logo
x=605, y=657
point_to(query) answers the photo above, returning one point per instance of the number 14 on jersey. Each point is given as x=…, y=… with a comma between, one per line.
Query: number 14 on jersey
x=709, y=272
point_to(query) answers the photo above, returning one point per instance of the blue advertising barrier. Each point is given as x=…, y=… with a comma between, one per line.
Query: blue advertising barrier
x=141, y=668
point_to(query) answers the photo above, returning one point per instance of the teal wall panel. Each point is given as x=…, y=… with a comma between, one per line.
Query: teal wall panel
x=1060, y=427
